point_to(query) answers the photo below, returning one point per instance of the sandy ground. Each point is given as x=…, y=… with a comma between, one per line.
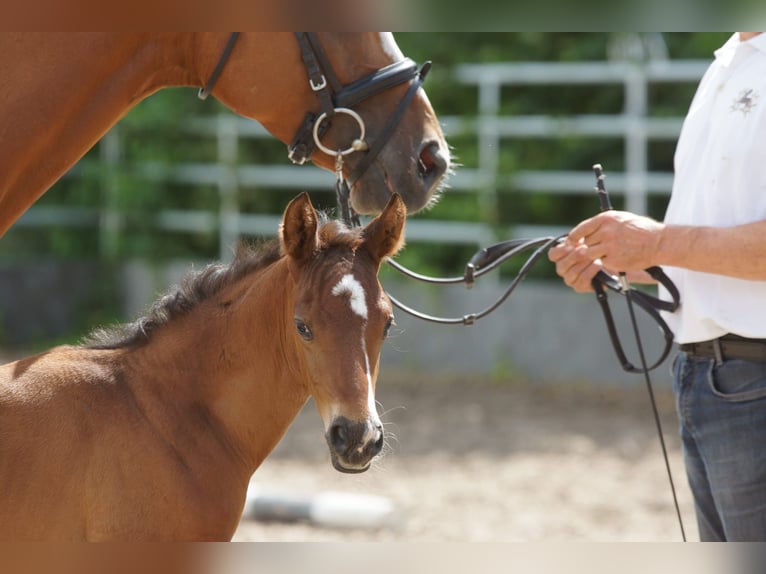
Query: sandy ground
x=481, y=461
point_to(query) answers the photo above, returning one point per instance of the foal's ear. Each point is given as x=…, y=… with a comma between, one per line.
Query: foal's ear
x=384, y=235
x=298, y=231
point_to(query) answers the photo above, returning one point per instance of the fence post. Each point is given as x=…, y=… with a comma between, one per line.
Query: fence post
x=228, y=184
x=110, y=219
x=636, y=141
x=489, y=147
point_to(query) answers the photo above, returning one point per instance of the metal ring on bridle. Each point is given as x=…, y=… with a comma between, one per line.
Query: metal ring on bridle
x=354, y=146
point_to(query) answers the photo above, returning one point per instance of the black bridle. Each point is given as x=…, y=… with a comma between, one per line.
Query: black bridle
x=205, y=91
x=335, y=98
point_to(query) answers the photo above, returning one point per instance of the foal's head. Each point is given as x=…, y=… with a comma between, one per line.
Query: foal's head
x=342, y=315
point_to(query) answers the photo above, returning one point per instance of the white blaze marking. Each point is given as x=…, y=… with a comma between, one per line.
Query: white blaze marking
x=374, y=420
x=358, y=301
x=348, y=284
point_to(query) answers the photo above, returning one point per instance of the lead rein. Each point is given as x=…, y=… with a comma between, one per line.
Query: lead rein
x=606, y=205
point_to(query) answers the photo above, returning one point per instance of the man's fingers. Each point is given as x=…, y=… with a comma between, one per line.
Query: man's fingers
x=574, y=266
x=557, y=253
x=585, y=229
x=580, y=276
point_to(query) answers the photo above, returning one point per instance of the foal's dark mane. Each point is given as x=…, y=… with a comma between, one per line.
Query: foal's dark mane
x=201, y=285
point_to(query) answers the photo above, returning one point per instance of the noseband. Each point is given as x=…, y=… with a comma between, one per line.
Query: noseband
x=334, y=99
x=337, y=99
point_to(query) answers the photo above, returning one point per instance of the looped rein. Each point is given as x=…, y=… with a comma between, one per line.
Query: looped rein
x=481, y=263
x=650, y=304
x=495, y=255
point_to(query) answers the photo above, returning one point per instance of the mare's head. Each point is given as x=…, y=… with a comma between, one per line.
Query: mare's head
x=341, y=318
x=265, y=78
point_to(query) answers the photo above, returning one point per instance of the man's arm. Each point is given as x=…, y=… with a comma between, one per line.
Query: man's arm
x=738, y=251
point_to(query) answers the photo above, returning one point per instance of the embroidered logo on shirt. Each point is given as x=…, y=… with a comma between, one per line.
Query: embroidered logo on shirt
x=745, y=101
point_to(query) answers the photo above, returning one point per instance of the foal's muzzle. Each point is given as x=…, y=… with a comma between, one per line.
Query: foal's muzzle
x=353, y=444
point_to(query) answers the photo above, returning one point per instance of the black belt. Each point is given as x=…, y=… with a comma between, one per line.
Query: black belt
x=728, y=347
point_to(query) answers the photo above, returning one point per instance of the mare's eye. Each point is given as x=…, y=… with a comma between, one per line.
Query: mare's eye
x=303, y=330
x=390, y=323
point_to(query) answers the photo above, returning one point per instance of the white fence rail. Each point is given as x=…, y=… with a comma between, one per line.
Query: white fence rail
x=634, y=125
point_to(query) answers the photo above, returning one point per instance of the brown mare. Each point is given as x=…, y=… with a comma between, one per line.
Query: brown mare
x=153, y=430
x=59, y=93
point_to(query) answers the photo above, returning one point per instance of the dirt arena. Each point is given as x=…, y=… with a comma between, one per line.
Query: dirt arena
x=483, y=461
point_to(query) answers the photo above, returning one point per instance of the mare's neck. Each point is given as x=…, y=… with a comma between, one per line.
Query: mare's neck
x=233, y=358
x=61, y=92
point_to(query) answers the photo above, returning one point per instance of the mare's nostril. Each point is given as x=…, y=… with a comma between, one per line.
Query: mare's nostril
x=431, y=162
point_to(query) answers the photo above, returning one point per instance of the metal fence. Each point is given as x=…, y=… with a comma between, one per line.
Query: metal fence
x=634, y=125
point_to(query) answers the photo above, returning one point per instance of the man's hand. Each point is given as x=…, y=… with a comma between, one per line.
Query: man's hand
x=622, y=241
x=613, y=241
x=574, y=265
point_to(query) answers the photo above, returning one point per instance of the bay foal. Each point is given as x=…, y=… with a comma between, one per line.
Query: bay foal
x=152, y=431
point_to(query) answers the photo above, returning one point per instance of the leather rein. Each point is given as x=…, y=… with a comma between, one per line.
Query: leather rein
x=489, y=258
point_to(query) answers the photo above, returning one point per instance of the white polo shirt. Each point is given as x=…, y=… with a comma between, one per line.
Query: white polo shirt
x=720, y=180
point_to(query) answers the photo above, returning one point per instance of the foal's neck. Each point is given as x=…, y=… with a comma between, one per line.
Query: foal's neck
x=234, y=358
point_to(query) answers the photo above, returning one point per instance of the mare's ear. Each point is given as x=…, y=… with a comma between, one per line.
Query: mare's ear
x=298, y=232
x=384, y=235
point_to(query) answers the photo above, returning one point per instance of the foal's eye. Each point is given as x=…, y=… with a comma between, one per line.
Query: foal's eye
x=303, y=330
x=390, y=323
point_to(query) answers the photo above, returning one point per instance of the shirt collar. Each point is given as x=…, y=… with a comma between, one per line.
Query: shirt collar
x=758, y=42
x=725, y=54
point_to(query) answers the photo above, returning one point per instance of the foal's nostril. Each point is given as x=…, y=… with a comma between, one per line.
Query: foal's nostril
x=431, y=162
x=354, y=443
x=377, y=446
x=339, y=436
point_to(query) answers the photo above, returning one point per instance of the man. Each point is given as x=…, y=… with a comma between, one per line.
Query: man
x=712, y=244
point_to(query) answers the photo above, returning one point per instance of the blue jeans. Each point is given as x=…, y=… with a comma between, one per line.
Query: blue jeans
x=722, y=415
